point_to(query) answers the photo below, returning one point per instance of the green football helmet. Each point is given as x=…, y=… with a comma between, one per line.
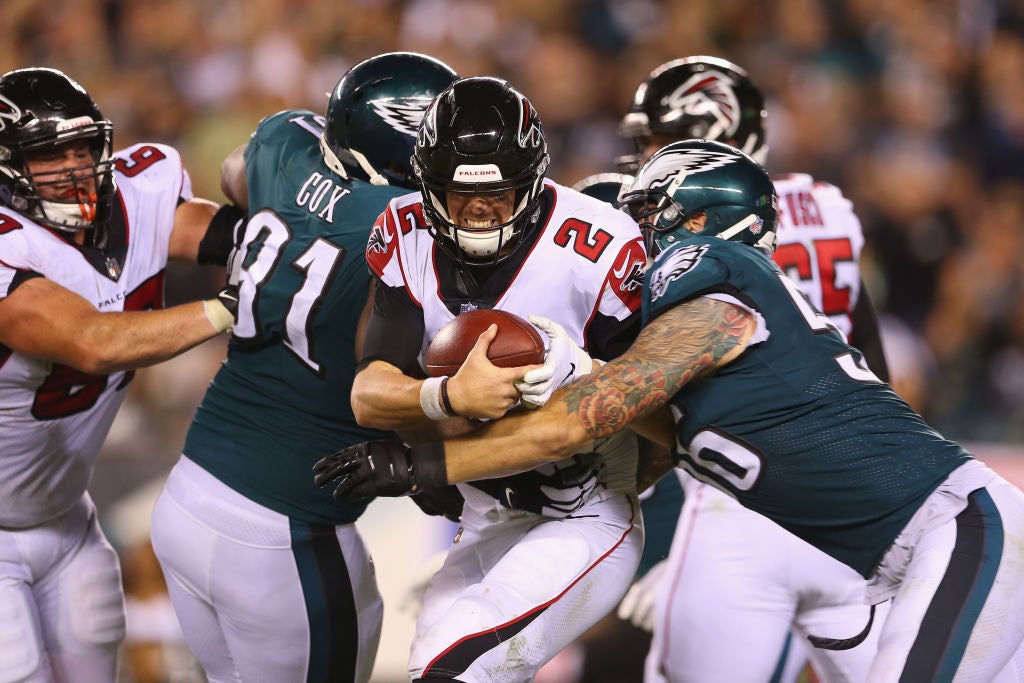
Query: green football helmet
x=687, y=178
x=374, y=112
x=604, y=186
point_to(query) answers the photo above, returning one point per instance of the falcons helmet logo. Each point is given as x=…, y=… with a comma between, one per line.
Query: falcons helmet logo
x=404, y=115
x=707, y=93
x=674, y=264
x=9, y=111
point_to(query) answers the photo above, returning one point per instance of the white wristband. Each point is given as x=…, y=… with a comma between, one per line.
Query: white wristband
x=430, y=399
x=218, y=315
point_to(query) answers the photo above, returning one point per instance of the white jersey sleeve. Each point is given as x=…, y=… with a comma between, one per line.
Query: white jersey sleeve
x=820, y=241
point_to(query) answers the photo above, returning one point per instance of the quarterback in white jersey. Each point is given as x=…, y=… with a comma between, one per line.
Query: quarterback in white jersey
x=735, y=581
x=543, y=555
x=85, y=235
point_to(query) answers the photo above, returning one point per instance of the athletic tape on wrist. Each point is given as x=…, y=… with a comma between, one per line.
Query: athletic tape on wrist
x=219, y=316
x=446, y=401
x=430, y=398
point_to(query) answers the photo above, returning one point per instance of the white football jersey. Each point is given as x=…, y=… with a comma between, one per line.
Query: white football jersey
x=54, y=418
x=820, y=240
x=589, y=258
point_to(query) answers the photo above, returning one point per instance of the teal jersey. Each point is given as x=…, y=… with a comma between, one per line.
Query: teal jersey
x=797, y=428
x=280, y=401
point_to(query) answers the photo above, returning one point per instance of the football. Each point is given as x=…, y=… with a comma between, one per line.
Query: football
x=517, y=342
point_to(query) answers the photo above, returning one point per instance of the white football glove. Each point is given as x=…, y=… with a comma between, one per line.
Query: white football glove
x=638, y=606
x=564, y=363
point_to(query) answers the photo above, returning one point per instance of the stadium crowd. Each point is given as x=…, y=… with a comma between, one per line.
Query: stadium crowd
x=915, y=108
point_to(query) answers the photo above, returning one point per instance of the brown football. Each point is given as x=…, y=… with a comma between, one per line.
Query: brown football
x=517, y=342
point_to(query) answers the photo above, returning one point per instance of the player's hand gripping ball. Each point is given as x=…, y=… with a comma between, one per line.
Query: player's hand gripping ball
x=517, y=342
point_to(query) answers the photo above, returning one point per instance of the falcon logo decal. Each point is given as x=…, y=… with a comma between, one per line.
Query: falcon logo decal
x=675, y=264
x=529, y=131
x=404, y=115
x=379, y=240
x=708, y=93
x=9, y=111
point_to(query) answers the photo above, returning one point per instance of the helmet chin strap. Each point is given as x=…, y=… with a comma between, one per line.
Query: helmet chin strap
x=364, y=163
x=737, y=228
x=336, y=165
x=331, y=159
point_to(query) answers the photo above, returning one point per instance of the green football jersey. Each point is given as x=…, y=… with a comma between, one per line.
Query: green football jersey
x=280, y=401
x=797, y=428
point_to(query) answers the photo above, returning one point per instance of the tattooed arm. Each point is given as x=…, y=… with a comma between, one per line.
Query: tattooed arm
x=686, y=343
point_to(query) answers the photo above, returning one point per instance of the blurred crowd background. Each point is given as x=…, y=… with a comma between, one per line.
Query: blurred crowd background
x=915, y=108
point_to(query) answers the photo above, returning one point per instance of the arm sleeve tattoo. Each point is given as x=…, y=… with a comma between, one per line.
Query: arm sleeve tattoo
x=686, y=343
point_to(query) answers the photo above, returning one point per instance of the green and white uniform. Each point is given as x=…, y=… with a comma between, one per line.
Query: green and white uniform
x=240, y=529
x=799, y=430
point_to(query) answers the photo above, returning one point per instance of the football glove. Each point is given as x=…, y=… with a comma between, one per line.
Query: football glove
x=382, y=468
x=446, y=501
x=565, y=362
x=638, y=606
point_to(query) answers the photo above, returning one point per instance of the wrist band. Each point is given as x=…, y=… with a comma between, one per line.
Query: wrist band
x=446, y=402
x=219, y=316
x=430, y=398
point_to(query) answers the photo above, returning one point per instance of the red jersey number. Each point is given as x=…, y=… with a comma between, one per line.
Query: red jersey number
x=795, y=257
x=67, y=391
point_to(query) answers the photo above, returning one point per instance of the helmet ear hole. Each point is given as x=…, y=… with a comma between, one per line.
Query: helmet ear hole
x=374, y=112
x=481, y=136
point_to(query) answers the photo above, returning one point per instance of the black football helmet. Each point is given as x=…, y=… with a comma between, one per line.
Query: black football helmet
x=604, y=186
x=43, y=109
x=688, y=177
x=374, y=112
x=481, y=136
x=697, y=97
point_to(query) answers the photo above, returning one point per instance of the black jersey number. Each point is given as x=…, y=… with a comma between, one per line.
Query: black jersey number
x=266, y=236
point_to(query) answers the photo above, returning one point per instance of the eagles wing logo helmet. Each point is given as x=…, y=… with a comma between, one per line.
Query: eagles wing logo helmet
x=689, y=177
x=698, y=97
x=374, y=112
x=481, y=136
x=42, y=109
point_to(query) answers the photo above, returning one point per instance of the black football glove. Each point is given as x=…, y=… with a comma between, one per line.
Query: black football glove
x=382, y=468
x=446, y=501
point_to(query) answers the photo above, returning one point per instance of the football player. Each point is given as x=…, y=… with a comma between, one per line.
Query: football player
x=757, y=393
x=736, y=580
x=543, y=555
x=85, y=235
x=269, y=577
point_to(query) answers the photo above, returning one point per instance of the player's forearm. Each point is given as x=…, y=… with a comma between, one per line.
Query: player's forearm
x=109, y=342
x=385, y=398
x=516, y=443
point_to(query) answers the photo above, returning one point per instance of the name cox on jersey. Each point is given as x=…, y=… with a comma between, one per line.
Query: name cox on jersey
x=314, y=191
